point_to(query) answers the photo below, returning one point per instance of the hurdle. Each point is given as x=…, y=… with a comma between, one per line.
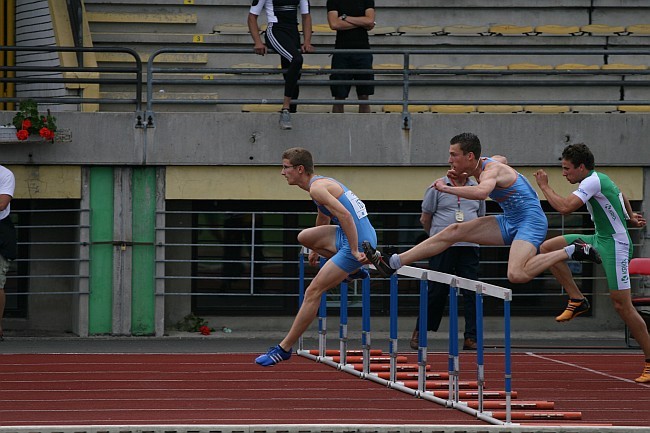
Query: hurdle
x=392, y=375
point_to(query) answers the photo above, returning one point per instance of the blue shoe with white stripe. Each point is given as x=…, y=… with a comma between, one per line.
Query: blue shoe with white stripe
x=273, y=356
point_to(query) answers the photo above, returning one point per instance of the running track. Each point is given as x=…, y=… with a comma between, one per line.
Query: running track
x=222, y=389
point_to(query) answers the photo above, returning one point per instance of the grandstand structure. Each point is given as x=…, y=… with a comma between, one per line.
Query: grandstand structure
x=161, y=194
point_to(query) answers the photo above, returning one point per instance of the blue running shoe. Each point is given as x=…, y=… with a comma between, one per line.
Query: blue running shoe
x=361, y=274
x=273, y=356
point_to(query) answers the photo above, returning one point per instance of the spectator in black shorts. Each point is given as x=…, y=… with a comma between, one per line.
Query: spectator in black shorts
x=351, y=19
x=282, y=34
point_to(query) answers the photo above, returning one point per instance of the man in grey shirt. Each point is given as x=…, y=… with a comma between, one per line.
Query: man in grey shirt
x=440, y=210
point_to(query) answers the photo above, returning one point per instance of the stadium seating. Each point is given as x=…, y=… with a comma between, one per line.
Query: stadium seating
x=417, y=25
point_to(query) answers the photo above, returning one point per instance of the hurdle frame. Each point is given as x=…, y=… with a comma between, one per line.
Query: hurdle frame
x=455, y=283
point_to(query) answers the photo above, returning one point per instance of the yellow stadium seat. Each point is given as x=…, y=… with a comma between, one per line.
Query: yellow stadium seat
x=420, y=30
x=411, y=108
x=529, y=66
x=576, y=66
x=392, y=66
x=453, y=109
x=230, y=28
x=162, y=18
x=555, y=30
x=383, y=30
x=603, y=30
x=634, y=108
x=254, y=66
x=615, y=66
x=499, y=108
x=593, y=109
x=466, y=30
x=484, y=66
x=639, y=29
x=261, y=108
x=511, y=29
x=315, y=108
x=322, y=28
x=195, y=58
x=547, y=109
x=437, y=66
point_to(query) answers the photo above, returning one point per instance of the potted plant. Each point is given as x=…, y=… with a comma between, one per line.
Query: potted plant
x=28, y=121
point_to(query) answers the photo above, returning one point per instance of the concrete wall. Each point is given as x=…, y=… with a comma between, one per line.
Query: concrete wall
x=348, y=139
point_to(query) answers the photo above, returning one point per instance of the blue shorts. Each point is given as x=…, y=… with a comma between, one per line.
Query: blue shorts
x=531, y=227
x=343, y=257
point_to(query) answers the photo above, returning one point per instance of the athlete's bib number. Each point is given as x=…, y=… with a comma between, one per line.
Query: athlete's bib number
x=357, y=205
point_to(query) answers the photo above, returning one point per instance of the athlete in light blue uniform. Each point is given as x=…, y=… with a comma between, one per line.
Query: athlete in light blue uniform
x=522, y=225
x=339, y=242
x=523, y=217
x=343, y=257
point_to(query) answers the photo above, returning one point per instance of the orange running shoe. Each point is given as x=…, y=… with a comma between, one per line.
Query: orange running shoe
x=573, y=309
x=645, y=376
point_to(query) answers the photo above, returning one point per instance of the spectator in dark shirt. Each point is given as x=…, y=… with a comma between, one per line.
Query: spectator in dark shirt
x=351, y=19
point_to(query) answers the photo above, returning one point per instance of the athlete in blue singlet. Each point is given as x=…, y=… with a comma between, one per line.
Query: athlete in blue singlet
x=523, y=217
x=522, y=225
x=341, y=224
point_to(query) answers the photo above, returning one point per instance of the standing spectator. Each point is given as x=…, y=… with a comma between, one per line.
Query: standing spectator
x=7, y=234
x=351, y=19
x=440, y=210
x=611, y=213
x=283, y=36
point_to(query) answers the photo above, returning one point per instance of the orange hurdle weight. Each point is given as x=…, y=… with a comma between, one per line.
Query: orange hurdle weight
x=542, y=415
x=440, y=384
x=413, y=375
x=471, y=394
x=500, y=404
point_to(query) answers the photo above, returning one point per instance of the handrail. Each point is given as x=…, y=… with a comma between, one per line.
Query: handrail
x=406, y=77
x=136, y=81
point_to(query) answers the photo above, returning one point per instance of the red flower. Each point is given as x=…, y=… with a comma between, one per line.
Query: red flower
x=27, y=124
x=46, y=133
x=205, y=330
x=22, y=134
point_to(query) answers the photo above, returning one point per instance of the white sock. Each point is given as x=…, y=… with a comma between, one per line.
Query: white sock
x=569, y=250
x=394, y=262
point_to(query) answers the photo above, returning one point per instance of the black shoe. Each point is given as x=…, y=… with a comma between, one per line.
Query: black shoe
x=585, y=251
x=377, y=259
x=469, y=344
x=415, y=340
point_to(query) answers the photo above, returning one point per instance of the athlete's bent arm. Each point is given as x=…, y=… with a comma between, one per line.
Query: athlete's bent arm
x=564, y=205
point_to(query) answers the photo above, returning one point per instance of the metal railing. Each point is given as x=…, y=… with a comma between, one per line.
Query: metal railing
x=32, y=72
x=408, y=79
x=243, y=260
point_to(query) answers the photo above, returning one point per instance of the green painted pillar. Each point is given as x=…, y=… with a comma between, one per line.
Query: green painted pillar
x=100, y=301
x=144, y=254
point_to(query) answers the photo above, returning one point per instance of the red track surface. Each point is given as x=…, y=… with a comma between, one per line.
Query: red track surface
x=84, y=389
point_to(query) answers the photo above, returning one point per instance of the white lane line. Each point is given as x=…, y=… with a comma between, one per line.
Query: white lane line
x=570, y=364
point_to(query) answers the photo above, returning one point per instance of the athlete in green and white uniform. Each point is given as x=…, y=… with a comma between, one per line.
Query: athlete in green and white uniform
x=606, y=206
x=611, y=213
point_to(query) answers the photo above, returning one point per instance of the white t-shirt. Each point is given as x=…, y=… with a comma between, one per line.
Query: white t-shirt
x=7, y=186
